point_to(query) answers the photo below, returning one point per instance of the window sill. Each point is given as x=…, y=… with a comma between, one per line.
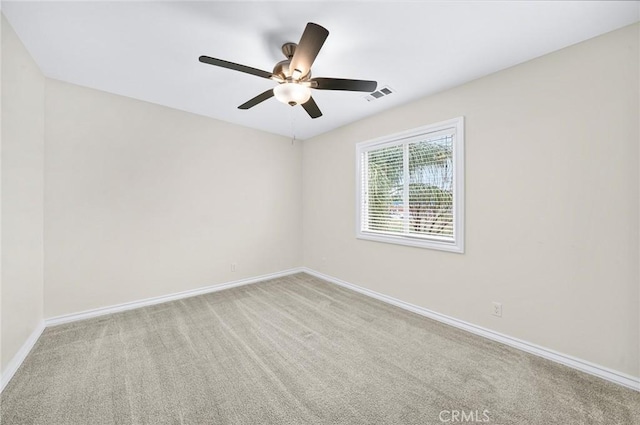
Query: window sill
x=414, y=242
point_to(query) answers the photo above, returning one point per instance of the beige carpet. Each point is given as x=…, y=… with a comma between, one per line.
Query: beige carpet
x=294, y=350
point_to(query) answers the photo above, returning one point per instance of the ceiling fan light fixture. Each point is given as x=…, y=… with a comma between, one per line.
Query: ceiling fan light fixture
x=294, y=74
x=292, y=93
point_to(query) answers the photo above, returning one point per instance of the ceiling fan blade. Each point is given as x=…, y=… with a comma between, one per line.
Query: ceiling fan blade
x=311, y=108
x=310, y=43
x=259, y=98
x=343, y=84
x=235, y=66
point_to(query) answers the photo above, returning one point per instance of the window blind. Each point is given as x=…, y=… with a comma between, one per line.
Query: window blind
x=408, y=187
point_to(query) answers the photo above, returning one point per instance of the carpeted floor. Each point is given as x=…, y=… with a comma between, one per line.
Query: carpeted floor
x=294, y=350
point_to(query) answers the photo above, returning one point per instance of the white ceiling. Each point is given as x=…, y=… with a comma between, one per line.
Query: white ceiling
x=150, y=50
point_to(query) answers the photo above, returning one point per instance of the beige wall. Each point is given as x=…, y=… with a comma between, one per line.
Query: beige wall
x=551, y=204
x=22, y=191
x=143, y=200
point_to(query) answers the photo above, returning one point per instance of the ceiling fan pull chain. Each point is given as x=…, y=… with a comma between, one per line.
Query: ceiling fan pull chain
x=293, y=126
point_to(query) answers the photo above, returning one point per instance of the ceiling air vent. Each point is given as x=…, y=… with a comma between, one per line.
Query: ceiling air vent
x=384, y=91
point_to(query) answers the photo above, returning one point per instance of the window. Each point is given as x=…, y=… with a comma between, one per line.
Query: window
x=411, y=187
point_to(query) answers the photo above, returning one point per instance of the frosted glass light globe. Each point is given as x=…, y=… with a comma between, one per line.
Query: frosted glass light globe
x=292, y=93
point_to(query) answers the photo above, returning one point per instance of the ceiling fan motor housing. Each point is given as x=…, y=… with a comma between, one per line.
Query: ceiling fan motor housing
x=283, y=68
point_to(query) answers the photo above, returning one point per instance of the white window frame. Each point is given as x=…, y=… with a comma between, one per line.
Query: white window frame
x=456, y=127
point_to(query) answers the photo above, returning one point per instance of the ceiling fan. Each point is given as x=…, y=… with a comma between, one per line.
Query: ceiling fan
x=294, y=74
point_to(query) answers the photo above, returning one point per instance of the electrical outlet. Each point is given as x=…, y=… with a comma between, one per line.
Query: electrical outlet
x=234, y=266
x=497, y=309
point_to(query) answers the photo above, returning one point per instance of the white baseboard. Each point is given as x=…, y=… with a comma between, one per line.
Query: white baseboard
x=19, y=357
x=74, y=317
x=567, y=360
